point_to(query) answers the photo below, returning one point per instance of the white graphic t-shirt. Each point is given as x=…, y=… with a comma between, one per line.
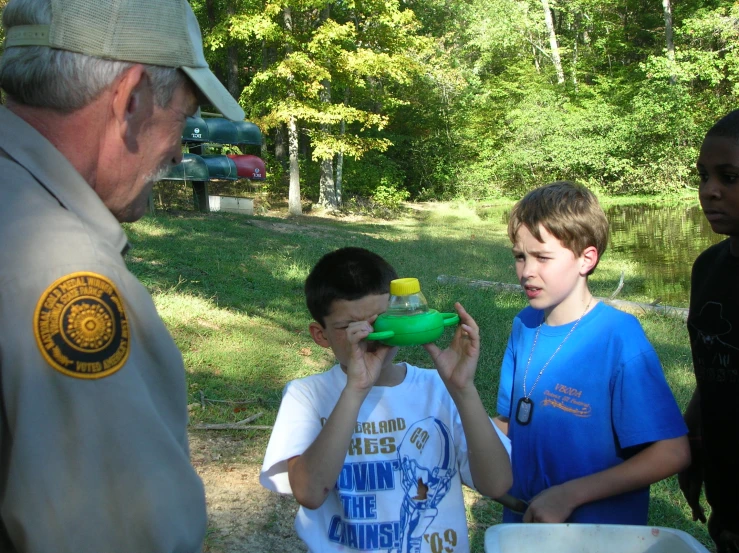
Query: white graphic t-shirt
x=400, y=489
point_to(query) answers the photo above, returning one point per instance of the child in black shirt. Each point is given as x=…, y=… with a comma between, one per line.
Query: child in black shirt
x=713, y=323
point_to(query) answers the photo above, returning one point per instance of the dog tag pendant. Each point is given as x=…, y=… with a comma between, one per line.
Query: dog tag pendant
x=524, y=411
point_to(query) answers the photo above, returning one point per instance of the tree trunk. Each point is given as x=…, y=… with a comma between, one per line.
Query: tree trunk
x=669, y=43
x=327, y=196
x=268, y=57
x=340, y=169
x=556, y=60
x=280, y=150
x=293, y=199
x=534, y=52
x=232, y=64
x=327, y=193
x=574, y=50
x=305, y=147
x=210, y=11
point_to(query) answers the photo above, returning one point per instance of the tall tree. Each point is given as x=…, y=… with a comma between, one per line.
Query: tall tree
x=294, y=206
x=358, y=48
x=327, y=197
x=553, y=45
x=669, y=42
x=232, y=65
x=338, y=185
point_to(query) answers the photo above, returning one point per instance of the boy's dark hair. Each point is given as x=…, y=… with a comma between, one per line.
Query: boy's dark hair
x=727, y=126
x=568, y=211
x=346, y=274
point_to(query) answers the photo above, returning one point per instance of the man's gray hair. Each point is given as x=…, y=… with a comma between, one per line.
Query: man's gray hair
x=45, y=77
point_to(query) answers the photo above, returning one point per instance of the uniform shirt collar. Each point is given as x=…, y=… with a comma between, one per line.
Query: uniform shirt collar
x=27, y=147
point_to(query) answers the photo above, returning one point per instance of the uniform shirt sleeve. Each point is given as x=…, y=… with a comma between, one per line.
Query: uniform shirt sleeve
x=296, y=428
x=94, y=464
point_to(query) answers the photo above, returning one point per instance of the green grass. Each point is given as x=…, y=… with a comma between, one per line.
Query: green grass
x=229, y=288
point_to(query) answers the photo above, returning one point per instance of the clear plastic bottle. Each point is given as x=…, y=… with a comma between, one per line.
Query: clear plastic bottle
x=406, y=298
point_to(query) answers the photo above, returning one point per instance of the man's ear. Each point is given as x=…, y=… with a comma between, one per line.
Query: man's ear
x=317, y=332
x=132, y=102
x=589, y=259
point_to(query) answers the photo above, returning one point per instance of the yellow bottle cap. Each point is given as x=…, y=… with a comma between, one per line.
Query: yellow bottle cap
x=404, y=286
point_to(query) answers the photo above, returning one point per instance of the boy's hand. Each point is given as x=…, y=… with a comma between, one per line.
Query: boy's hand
x=367, y=358
x=691, y=482
x=691, y=479
x=457, y=364
x=553, y=505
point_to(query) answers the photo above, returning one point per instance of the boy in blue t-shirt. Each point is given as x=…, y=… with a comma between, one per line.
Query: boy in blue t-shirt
x=582, y=394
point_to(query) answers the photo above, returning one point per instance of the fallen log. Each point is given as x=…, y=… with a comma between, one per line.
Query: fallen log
x=633, y=307
x=230, y=427
x=241, y=425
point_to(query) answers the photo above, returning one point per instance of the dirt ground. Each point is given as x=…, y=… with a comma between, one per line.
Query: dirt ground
x=242, y=515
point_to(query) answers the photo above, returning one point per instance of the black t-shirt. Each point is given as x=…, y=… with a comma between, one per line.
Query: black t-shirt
x=713, y=324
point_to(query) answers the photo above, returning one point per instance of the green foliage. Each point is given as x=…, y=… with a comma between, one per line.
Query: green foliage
x=276, y=182
x=389, y=196
x=634, y=130
x=354, y=50
x=368, y=207
x=363, y=177
x=462, y=98
x=2, y=28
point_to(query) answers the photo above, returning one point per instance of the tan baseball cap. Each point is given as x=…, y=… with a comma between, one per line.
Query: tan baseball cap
x=154, y=32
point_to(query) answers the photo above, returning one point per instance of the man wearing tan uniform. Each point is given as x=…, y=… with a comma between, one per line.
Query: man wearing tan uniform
x=93, y=442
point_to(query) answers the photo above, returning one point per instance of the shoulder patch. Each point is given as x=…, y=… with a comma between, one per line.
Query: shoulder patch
x=81, y=327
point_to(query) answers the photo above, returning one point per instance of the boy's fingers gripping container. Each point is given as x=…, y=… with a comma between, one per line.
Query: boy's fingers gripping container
x=408, y=320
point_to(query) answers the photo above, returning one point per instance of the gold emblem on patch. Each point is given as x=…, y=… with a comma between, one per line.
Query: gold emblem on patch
x=81, y=326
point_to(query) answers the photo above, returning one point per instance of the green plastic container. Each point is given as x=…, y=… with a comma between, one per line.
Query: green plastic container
x=408, y=320
x=411, y=330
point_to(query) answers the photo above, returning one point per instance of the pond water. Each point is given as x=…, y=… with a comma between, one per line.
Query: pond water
x=663, y=241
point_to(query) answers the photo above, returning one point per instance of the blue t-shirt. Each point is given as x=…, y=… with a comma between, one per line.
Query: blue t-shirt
x=601, y=397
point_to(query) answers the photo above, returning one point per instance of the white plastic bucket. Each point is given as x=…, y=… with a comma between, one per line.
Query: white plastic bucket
x=588, y=538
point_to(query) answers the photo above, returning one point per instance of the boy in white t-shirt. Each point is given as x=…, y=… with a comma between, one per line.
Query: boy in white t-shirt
x=376, y=452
